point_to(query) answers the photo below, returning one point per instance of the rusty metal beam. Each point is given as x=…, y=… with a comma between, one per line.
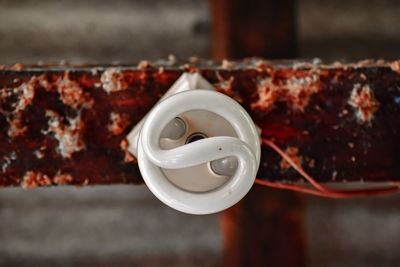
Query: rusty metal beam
x=67, y=125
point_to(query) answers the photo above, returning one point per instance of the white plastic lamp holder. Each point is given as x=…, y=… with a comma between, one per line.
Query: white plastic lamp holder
x=198, y=150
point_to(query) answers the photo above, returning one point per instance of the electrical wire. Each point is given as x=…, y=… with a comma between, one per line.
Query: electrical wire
x=319, y=190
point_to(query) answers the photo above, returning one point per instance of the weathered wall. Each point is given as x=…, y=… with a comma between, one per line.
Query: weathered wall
x=352, y=29
x=124, y=225
x=102, y=31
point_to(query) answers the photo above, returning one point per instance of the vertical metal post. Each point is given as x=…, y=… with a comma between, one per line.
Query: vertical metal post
x=265, y=228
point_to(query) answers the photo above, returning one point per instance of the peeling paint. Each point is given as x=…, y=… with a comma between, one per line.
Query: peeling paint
x=295, y=91
x=72, y=94
x=62, y=179
x=26, y=94
x=124, y=147
x=362, y=99
x=69, y=135
x=395, y=66
x=113, y=80
x=118, y=123
x=261, y=65
x=39, y=153
x=16, y=127
x=225, y=86
x=7, y=160
x=33, y=179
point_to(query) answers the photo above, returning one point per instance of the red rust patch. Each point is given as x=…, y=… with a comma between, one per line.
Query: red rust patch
x=262, y=66
x=124, y=147
x=62, y=179
x=39, y=153
x=395, y=66
x=113, y=80
x=72, y=94
x=118, y=123
x=295, y=91
x=16, y=128
x=26, y=94
x=69, y=135
x=33, y=179
x=363, y=100
x=225, y=86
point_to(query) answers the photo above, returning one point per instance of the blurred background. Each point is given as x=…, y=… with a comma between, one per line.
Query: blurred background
x=126, y=225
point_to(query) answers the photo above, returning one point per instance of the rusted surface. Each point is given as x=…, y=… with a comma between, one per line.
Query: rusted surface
x=67, y=125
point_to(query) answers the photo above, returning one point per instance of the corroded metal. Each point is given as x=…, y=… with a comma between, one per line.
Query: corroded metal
x=67, y=124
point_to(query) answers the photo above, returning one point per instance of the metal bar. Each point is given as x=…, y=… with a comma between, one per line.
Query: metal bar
x=67, y=125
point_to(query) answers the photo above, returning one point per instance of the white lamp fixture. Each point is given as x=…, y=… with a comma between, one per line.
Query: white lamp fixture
x=198, y=150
